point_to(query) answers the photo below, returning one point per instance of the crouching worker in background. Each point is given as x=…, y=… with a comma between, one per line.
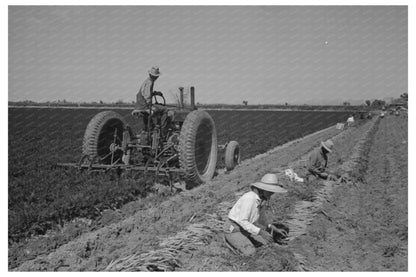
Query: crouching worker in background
x=318, y=161
x=245, y=232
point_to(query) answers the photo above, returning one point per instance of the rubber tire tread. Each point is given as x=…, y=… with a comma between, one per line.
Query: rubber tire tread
x=187, y=139
x=94, y=129
x=229, y=155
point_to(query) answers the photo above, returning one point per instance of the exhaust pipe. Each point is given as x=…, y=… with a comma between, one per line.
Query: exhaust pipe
x=192, y=92
x=181, y=97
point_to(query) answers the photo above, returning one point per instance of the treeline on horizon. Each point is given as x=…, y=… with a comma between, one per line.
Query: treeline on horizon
x=121, y=104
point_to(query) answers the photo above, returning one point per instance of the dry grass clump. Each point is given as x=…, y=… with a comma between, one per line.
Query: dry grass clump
x=166, y=257
x=304, y=192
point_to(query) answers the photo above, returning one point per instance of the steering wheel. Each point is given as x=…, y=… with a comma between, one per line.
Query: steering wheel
x=156, y=102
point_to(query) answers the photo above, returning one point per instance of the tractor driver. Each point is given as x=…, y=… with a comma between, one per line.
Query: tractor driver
x=144, y=101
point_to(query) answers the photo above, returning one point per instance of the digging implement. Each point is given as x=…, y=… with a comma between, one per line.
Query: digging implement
x=186, y=147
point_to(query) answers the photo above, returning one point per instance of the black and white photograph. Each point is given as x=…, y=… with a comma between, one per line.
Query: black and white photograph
x=207, y=138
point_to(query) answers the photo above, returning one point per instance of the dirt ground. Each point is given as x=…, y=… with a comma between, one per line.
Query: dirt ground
x=367, y=228
x=361, y=234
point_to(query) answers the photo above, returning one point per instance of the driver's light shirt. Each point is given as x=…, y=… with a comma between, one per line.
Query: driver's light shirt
x=246, y=211
x=144, y=96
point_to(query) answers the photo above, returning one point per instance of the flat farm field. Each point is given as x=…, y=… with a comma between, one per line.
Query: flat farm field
x=42, y=197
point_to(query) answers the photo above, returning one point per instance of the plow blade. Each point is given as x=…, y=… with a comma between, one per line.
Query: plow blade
x=105, y=167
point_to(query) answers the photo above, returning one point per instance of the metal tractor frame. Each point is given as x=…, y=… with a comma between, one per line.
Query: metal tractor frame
x=187, y=150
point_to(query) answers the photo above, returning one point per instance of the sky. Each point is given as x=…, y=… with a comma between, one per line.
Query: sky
x=261, y=54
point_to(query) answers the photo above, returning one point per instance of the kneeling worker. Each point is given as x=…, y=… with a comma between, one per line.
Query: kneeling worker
x=318, y=160
x=245, y=232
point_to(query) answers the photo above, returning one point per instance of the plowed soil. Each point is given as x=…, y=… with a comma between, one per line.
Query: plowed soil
x=367, y=224
x=364, y=226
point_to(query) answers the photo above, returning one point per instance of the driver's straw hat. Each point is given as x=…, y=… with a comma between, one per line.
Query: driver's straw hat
x=270, y=183
x=154, y=71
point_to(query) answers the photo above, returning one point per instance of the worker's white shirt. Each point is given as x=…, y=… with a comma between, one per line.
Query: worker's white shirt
x=246, y=211
x=350, y=119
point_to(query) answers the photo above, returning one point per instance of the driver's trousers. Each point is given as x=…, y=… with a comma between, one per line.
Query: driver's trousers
x=161, y=115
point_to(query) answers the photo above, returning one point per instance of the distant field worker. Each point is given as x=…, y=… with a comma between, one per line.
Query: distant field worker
x=318, y=160
x=245, y=233
x=350, y=121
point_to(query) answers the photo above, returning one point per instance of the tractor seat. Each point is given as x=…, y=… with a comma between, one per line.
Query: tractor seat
x=139, y=113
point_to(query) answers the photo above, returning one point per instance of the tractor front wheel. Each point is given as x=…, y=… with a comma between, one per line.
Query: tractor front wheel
x=232, y=155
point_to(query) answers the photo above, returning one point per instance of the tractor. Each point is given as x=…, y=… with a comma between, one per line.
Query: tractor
x=187, y=150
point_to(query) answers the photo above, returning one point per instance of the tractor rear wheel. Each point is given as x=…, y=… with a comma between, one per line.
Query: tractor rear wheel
x=232, y=155
x=102, y=130
x=198, y=147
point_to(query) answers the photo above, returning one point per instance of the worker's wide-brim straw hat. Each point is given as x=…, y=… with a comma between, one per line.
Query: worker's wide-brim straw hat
x=270, y=183
x=328, y=145
x=154, y=71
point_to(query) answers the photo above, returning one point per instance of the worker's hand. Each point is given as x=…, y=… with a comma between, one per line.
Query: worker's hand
x=266, y=236
x=282, y=232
